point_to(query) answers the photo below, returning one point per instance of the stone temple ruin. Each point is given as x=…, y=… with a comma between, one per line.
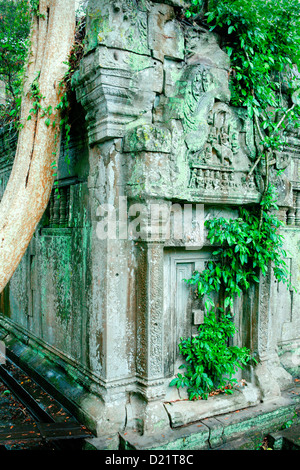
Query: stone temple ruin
x=98, y=304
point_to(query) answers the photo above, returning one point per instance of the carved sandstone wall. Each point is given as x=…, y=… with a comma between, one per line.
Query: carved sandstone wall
x=155, y=129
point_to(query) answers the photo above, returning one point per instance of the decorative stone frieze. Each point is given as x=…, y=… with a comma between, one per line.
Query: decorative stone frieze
x=112, y=88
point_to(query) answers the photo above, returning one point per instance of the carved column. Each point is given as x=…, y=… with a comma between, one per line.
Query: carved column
x=150, y=313
x=269, y=374
x=150, y=333
x=297, y=215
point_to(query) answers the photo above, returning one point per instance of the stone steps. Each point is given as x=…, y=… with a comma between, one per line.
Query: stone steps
x=240, y=430
x=287, y=439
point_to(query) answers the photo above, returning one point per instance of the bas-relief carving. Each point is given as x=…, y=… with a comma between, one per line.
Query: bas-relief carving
x=211, y=145
x=216, y=137
x=180, y=140
x=117, y=88
x=282, y=166
x=124, y=89
x=148, y=69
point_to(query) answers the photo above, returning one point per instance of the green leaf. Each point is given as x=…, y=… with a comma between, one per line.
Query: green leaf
x=211, y=16
x=173, y=382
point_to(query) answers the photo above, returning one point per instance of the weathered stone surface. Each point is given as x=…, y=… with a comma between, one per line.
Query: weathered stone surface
x=242, y=429
x=173, y=70
x=185, y=412
x=175, y=3
x=166, y=37
x=211, y=148
x=113, y=91
x=148, y=138
x=287, y=439
x=117, y=24
x=194, y=437
x=203, y=48
x=107, y=302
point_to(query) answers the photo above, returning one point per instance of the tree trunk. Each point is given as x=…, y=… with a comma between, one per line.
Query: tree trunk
x=31, y=180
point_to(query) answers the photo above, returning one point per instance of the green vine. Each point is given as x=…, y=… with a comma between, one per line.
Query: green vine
x=246, y=247
x=262, y=41
x=35, y=8
x=209, y=358
x=51, y=118
x=59, y=117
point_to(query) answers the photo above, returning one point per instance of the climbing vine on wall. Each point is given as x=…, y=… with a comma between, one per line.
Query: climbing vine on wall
x=59, y=116
x=262, y=40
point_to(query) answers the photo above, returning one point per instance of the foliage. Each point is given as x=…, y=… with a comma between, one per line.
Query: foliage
x=210, y=359
x=194, y=9
x=15, y=18
x=262, y=40
x=290, y=422
x=246, y=246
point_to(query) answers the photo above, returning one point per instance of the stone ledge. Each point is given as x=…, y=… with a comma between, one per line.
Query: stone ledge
x=185, y=412
x=58, y=378
x=239, y=430
x=287, y=439
x=194, y=436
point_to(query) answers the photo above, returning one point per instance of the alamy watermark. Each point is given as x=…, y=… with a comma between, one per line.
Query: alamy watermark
x=156, y=221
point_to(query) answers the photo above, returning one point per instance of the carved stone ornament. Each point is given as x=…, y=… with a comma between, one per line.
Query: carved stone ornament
x=209, y=145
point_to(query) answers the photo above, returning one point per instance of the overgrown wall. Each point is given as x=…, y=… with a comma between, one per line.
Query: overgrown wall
x=153, y=133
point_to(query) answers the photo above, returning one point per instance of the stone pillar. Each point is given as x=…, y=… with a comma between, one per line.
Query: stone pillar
x=149, y=313
x=150, y=334
x=297, y=215
x=269, y=375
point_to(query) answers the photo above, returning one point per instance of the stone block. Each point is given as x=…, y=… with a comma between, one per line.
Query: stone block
x=198, y=316
x=117, y=89
x=117, y=24
x=148, y=138
x=192, y=437
x=203, y=48
x=173, y=71
x=174, y=3
x=185, y=412
x=166, y=37
x=216, y=430
x=149, y=175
